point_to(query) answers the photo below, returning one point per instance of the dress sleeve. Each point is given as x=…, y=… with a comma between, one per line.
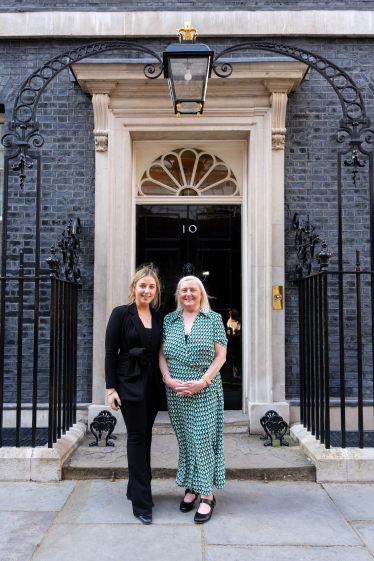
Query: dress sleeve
x=165, y=328
x=219, y=333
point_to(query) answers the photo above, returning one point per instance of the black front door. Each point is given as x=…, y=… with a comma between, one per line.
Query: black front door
x=205, y=240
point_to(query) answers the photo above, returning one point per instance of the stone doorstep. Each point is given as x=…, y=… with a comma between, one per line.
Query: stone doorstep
x=40, y=463
x=305, y=473
x=246, y=459
x=236, y=422
x=337, y=464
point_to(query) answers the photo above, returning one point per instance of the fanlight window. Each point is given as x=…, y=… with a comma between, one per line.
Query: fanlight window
x=188, y=173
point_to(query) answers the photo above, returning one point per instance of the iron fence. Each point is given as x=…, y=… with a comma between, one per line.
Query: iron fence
x=38, y=346
x=335, y=342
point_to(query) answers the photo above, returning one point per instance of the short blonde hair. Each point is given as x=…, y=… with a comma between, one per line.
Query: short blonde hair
x=204, y=304
x=146, y=270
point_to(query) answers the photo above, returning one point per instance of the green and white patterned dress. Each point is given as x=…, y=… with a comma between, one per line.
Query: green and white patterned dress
x=198, y=419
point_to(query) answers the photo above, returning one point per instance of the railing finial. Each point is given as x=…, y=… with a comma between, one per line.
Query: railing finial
x=324, y=256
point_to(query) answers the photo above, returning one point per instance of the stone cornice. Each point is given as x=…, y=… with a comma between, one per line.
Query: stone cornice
x=127, y=81
x=312, y=23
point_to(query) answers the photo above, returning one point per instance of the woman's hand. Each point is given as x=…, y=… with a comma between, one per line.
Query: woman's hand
x=172, y=383
x=191, y=387
x=112, y=398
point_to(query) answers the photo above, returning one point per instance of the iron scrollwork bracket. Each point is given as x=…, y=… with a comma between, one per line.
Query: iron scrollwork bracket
x=356, y=132
x=103, y=422
x=69, y=245
x=264, y=420
x=306, y=240
x=275, y=428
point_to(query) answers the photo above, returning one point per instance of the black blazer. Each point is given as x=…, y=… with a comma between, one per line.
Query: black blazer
x=128, y=356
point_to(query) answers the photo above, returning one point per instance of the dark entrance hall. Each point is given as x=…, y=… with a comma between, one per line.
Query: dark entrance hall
x=207, y=241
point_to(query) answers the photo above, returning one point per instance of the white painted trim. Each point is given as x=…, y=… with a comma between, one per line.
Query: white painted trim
x=164, y=200
x=146, y=120
x=255, y=23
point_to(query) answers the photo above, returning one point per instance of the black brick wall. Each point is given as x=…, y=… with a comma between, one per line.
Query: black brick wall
x=66, y=118
x=66, y=122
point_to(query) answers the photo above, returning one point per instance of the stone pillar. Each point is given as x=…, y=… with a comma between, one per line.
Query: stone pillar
x=100, y=102
x=274, y=396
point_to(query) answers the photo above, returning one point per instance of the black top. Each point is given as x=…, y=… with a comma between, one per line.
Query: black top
x=149, y=334
x=186, y=337
x=131, y=351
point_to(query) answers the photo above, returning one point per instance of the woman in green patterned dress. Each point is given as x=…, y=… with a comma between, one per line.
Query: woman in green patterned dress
x=191, y=356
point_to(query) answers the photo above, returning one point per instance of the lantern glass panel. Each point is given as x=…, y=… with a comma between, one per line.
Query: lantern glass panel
x=189, y=77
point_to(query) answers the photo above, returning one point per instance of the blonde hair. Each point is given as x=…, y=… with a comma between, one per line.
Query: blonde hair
x=146, y=270
x=204, y=304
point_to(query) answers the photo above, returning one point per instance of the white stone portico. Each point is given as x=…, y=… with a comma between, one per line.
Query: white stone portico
x=244, y=118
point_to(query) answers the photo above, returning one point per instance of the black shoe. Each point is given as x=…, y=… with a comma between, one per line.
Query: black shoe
x=145, y=518
x=187, y=507
x=201, y=518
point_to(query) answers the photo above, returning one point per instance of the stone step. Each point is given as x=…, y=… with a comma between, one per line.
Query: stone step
x=235, y=422
x=246, y=459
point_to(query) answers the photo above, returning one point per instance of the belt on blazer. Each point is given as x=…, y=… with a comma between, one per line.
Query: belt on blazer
x=141, y=359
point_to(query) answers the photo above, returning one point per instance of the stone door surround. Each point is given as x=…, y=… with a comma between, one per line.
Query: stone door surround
x=249, y=106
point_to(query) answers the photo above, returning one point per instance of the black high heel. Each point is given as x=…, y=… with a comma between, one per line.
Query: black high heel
x=201, y=518
x=187, y=507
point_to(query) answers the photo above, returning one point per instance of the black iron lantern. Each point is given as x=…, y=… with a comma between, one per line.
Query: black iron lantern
x=187, y=66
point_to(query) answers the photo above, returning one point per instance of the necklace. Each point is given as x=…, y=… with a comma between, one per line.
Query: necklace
x=146, y=319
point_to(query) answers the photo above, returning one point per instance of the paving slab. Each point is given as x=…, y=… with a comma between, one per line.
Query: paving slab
x=99, y=502
x=366, y=533
x=356, y=501
x=105, y=502
x=277, y=513
x=95, y=542
x=20, y=532
x=32, y=496
x=246, y=458
x=287, y=554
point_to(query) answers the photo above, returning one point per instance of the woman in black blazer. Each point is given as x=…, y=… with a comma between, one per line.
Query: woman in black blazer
x=134, y=382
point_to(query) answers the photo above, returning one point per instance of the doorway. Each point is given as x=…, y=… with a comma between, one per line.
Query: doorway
x=204, y=240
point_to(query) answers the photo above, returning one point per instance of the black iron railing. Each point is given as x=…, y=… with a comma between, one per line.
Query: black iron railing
x=38, y=345
x=335, y=341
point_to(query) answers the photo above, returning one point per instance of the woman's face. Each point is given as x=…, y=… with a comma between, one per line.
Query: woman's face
x=145, y=290
x=190, y=294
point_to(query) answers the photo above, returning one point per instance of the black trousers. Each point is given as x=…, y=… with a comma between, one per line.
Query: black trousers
x=139, y=418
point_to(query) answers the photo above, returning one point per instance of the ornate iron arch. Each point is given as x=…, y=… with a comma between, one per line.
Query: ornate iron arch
x=349, y=94
x=354, y=125
x=24, y=135
x=24, y=128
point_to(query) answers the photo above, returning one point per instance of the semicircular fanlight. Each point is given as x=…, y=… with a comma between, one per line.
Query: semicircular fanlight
x=188, y=172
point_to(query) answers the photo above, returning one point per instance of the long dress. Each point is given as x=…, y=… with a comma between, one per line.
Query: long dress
x=198, y=419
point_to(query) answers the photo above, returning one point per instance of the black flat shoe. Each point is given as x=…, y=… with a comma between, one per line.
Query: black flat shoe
x=187, y=507
x=201, y=518
x=145, y=518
